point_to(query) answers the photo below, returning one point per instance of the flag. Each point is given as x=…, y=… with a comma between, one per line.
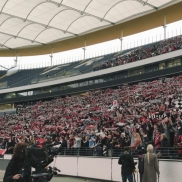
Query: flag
x=115, y=103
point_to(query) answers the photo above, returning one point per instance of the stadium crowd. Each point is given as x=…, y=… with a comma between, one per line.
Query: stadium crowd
x=143, y=52
x=103, y=120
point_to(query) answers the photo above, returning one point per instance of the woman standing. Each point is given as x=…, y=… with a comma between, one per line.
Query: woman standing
x=137, y=141
x=151, y=166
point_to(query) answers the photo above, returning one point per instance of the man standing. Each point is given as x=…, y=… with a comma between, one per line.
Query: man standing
x=128, y=166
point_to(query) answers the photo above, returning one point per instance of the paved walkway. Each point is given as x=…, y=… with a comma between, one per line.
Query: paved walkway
x=59, y=178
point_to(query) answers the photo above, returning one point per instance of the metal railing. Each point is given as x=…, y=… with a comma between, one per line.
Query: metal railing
x=163, y=153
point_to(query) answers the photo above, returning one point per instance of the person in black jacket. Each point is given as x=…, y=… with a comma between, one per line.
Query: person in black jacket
x=10, y=146
x=164, y=146
x=128, y=165
x=17, y=163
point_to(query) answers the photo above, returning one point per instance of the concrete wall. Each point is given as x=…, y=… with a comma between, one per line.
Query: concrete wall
x=105, y=168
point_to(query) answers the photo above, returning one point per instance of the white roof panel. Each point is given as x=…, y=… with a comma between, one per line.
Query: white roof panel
x=85, y=24
x=158, y=3
x=80, y=5
x=51, y=35
x=15, y=43
x=31, y=22
x=126, y=9
x=13, y=26
x=3, y=39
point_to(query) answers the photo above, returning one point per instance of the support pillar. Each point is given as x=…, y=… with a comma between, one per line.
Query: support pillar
x=121, y=40
x=164, y=26
x=51, y=56
x=84, y=50
x=16, y=60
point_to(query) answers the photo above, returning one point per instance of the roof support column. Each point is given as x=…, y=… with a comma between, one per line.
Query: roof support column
x=84, y=50
x=16, y=60
x=51, y=56
x=121, y=39
x=164, y=26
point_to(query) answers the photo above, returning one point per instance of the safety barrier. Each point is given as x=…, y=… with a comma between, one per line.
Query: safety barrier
x=106, y=168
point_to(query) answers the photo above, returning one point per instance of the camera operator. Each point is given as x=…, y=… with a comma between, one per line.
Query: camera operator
x=128, y=165
x=13, y=170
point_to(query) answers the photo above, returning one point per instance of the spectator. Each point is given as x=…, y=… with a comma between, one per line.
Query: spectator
x=164, y=146
x=157, y=140
x=91, y=143
x=145, y=139
x=77, y=144
x=10, y=146
x=85, y=145
x=122, y=141
x=137, y=141
x=128, y=166
x=151, y=166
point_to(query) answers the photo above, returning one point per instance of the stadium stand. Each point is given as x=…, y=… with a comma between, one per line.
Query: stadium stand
x=143, y=52
x=2, y=73
x=71, y=69
x=32, y=76
x=102, y=122
x=20, y=76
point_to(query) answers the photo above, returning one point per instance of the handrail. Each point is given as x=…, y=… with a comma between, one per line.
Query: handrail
x=98, y=151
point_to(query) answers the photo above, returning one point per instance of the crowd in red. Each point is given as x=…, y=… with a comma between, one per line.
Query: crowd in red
x=143, y=52
x=130, y=115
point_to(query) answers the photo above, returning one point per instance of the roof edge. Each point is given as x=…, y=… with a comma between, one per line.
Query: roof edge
x=140, y=24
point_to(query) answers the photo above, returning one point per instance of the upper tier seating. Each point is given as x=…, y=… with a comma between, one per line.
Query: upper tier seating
x=32, y=76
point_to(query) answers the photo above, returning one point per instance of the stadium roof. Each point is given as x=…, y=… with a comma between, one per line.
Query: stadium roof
x=33, y=27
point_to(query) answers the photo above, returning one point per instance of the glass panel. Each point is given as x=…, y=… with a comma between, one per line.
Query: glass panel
x=21, y=94
x=61, y=87
x=177, y=62
x=30, y=92
x=97, y=81
x=3, y=84
x=101, y=80
x=151, y=68
x=46, y=90
x=10, y=95
x=74, y=85
x=161, y=66
x=35, y=92
x=2, y=96
x=82, y=84
x=90, y=82
x=170, y=64
x=136, y=72
x=5, y=106
x=55, y=88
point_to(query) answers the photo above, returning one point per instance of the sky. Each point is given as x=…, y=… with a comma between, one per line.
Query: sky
x=135, y=40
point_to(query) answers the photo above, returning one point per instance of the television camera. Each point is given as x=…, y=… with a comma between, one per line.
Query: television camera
x=39, y=158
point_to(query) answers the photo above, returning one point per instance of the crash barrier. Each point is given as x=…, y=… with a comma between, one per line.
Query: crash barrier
x=105, y=168
x=163, y=152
